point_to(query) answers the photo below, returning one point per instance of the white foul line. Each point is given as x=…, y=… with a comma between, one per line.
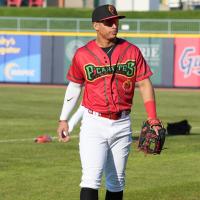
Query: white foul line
x=28, y=139
x=54, y=138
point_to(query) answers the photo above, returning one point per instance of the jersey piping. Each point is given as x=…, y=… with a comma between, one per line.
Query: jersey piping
x=99, y=61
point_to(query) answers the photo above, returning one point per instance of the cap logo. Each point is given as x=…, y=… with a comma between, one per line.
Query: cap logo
x=112, y=10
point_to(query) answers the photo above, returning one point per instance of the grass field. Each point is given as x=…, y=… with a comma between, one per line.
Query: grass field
x=30, y=171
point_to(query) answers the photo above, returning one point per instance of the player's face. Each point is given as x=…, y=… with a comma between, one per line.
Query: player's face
x=107, y=29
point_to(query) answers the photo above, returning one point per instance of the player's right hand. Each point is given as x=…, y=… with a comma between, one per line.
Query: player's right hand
x=63, y=135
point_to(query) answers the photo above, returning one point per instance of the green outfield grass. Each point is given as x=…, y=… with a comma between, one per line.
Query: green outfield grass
x=30, y=171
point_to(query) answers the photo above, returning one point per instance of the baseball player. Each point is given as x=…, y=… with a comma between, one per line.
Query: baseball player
x=109, y=68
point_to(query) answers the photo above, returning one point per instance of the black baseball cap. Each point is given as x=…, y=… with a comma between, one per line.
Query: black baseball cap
x=105, y=12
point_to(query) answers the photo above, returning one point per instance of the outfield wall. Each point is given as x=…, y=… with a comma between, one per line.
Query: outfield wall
x=45, y=57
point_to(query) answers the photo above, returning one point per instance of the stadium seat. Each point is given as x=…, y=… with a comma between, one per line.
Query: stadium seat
x=36, y=3
x=16, y=3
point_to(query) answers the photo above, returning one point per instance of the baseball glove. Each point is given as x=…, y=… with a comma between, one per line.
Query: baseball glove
x=152, y=137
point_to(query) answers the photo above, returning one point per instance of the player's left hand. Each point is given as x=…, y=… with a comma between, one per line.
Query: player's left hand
x=156, y=124
x=63, y=134
x=152, y=137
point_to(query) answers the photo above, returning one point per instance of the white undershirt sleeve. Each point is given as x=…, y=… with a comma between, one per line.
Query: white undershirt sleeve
x=72, y=95
x=76, y=117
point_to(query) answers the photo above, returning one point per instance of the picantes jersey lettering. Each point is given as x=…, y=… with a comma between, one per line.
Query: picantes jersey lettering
x=109, y=83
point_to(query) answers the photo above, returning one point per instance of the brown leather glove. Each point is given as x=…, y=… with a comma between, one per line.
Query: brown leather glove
x=152, y=137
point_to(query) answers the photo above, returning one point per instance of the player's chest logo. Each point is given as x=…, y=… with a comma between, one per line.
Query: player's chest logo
x=127, y=86
x=125, y=69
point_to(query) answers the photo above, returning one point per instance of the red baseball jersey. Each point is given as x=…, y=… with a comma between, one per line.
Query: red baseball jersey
x=109, y=84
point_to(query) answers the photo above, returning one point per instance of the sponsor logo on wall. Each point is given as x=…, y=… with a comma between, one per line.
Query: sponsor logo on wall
x=7, y=46
x=20, y=58
x=13, y=70
x=152, y=52
x=187, y=62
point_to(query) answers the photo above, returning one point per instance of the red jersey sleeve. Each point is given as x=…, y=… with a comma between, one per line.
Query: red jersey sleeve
x=75, y=73
x=143, y=70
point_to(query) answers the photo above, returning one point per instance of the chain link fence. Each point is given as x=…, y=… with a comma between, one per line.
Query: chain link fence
x=85, y=25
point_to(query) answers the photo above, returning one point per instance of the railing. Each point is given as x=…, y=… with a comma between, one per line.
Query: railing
x=84, y=24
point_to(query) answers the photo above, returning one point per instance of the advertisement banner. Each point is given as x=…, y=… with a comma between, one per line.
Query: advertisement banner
x=34, y=59
x=187, y=62
x=151, y=49
x=20, y=58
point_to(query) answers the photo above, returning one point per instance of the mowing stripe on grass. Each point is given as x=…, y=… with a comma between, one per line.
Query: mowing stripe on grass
x=28, y=139
x=55, y=138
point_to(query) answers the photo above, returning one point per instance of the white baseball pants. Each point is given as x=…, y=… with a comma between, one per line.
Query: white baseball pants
x=104, y=147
